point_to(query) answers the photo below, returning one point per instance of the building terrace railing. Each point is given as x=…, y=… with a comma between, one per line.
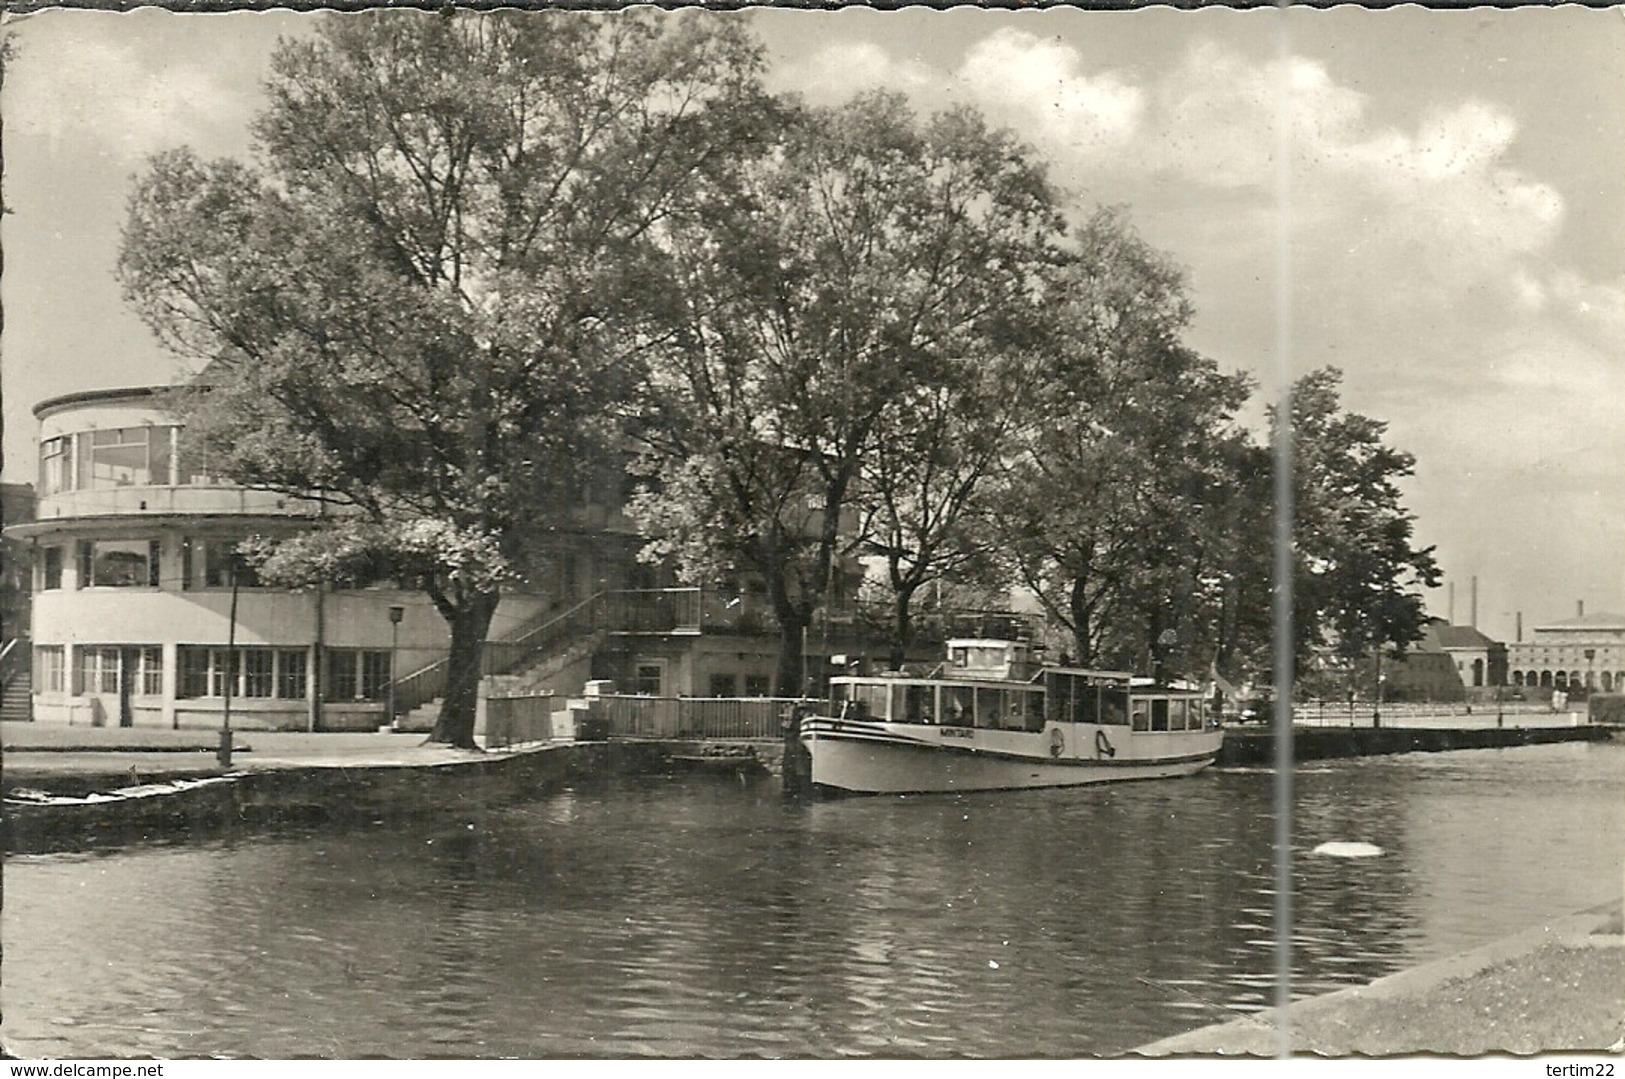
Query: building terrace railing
x=698, y=718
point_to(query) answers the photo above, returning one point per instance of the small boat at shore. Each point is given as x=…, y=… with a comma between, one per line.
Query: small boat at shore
x=991, y=718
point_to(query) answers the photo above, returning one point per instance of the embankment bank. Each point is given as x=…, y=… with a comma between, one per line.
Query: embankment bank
x=1256, y=746
x=1558, y=987
x=80, y=796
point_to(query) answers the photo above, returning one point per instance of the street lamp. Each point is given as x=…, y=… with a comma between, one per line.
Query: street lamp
x=395, y=614
x=1376, y=705
x=223, y=754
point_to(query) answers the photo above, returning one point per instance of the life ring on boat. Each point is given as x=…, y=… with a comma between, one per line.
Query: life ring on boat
x=1057, y=742
x=1103, y=745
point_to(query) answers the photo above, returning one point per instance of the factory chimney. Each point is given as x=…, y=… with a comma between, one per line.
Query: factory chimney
x=1474, y=622
x=1519, y=637
x=1450, y=615
x=1579, y=608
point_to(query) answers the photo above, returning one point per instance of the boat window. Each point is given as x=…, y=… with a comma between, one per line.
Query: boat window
x=870, y=701
x=1033, y=703
x=858, y=700
x=1159, y=713
x=1142, y=721
x=956, y=706
x=1113, y=707
x=989, y=710
x=1085, y=701
x=958, y=657
x=1057, y=694
x=916, y=704
x=986, y=656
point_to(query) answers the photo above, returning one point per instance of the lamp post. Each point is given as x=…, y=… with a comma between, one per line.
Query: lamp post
x=223, y=755
x=1376, y=705
x=395, y=614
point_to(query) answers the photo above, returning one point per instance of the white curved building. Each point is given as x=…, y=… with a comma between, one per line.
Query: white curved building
x=132, y=593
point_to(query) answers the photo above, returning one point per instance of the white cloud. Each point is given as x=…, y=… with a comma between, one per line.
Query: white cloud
x=98, y=94
x=1039, y=86
x=836, y=72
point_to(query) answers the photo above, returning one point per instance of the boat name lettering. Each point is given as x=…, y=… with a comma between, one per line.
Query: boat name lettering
x=957, y=732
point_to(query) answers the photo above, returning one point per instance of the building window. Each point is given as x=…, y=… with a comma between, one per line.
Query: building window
x=756, y=685
x=263, y=673
x=259, y=672
x=291, y=674
x=48, y=659
x=341, y=681
x=124, y=457
x=722, y=685
x=210, y=562
x=648, y=678
x=192, y=670
x=152, y=672
x=55, y=466
x=374, y=675
x=50, y=568
x=357, y=675
x=97, y=671
x=119, y=563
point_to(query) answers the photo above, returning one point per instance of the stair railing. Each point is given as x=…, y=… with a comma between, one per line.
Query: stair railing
x=502, y=655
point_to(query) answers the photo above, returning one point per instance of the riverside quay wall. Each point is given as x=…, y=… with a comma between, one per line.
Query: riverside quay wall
x=92, y=805
x=1257, y=747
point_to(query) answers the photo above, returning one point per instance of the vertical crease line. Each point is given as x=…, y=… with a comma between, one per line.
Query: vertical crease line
x=1282, y=634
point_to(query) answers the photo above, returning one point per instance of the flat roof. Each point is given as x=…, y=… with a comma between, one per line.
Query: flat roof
x=95, y=397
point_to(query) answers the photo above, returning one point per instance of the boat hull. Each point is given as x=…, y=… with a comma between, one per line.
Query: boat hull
x=884, y=758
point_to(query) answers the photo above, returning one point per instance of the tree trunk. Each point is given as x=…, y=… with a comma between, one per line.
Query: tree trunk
x=1078, y=602
x=792, y=657
x=902, y=627
x=469, y=622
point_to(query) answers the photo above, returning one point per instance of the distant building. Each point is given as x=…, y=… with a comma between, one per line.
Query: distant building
x=1426, y=672
x=1583, y=653
x=1479, y=661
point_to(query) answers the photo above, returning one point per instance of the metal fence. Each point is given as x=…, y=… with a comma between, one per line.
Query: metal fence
x=1413, y=715
x=510, y=721
x=701, y=718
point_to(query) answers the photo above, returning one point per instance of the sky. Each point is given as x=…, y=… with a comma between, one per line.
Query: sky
x=1452, y=199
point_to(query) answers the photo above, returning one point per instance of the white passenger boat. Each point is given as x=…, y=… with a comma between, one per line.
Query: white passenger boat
x=992, y=719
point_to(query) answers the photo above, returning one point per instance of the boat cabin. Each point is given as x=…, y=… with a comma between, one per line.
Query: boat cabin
x=997, y=685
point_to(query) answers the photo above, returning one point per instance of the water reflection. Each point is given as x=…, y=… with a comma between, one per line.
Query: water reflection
x=698, y=919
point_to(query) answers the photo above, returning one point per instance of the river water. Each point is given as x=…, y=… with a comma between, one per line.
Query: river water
x=700, y=917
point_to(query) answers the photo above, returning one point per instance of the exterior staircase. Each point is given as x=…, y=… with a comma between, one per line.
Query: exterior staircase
x=537, y=653
x=17, y=703
x=16, y=683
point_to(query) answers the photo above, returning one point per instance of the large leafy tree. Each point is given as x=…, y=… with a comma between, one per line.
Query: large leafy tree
x=1108, y=511
x=1358, y=575
x=922, y=489
x=862, y=255
x=413, y=304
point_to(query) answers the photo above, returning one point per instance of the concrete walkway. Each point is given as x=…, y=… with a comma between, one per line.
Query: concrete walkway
x=1558, y=987
x=36, y=754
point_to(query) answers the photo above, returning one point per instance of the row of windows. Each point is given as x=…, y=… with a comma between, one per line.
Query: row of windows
x=1077, y=699
x=136, y=563
x=118, y=457
x=208, y=670
x=1607, y=680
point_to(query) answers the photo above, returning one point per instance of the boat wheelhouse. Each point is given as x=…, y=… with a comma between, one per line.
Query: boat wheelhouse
x=992, y=718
